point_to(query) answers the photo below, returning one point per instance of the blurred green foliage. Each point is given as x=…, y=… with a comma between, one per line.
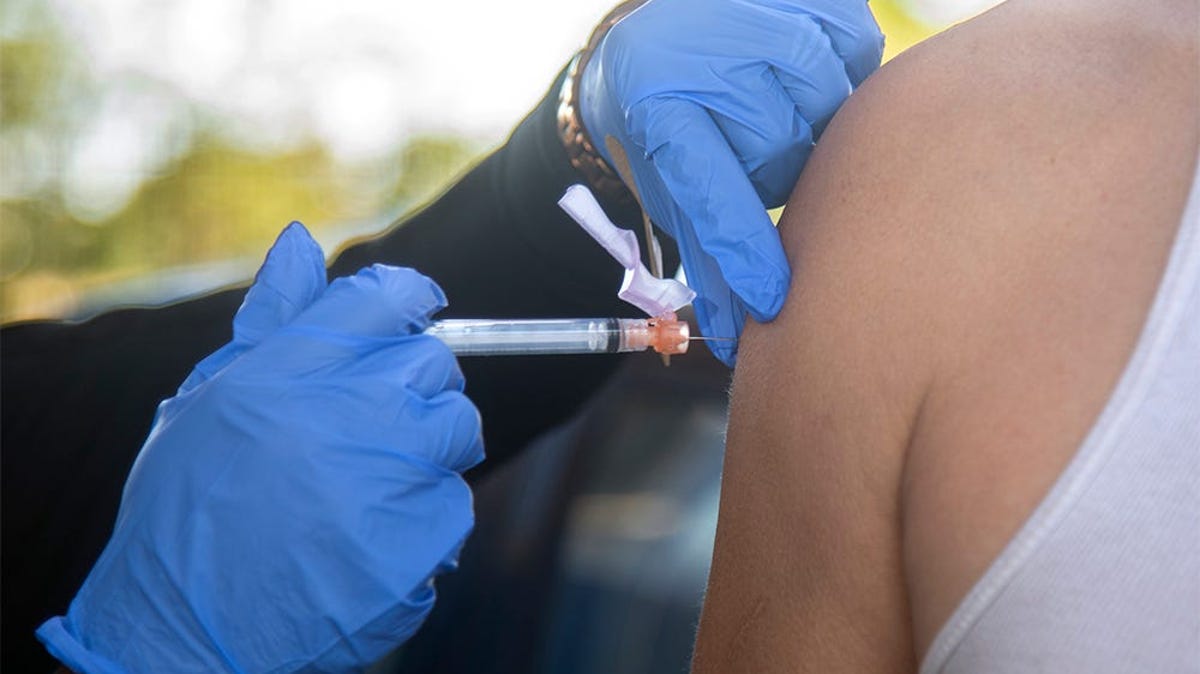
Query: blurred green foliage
x=27, y=66
x=215, y=200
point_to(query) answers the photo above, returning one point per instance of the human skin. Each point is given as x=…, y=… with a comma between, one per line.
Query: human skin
x=976, y=243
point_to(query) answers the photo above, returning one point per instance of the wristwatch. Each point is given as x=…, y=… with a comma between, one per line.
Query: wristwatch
x=581, y=150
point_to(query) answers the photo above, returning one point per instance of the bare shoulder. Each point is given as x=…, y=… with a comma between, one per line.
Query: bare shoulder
x=975, y=244
x=1054, y=148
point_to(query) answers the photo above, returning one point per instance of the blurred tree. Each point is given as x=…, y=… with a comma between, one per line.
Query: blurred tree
x=214, y=199
x=219, y=201
x=29, y=66
x=426, y=165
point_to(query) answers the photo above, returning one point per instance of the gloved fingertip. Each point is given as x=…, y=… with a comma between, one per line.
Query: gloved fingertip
x=471, y=455
x=412, y=296
x=713, y=323
x=378, y=301
x=867, y=51
x=765, y=300
x=461, y=447
x=474, y=453
x=726, y=352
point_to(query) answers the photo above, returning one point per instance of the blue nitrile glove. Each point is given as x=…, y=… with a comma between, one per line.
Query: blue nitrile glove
x=717, y=104
x=295, y=499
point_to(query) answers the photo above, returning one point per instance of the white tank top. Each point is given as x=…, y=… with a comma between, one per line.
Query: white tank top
x=1105, y=575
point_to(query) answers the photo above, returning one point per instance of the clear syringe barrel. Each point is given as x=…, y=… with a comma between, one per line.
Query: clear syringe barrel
x=501, y=337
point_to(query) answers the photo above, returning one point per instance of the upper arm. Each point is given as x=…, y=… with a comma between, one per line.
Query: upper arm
x=973, y=252
x=807, y=564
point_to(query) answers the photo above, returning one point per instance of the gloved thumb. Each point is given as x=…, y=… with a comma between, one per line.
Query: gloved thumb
x=289, y=280
x=379, y=301
x=699, y=186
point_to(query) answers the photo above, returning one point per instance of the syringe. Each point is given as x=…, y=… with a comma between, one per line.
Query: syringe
x=501, y=337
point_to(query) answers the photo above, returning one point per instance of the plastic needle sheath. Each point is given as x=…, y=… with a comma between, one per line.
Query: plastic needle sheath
x=501, y=337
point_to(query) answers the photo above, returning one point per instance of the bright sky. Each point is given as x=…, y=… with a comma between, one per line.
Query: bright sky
x=359, y=75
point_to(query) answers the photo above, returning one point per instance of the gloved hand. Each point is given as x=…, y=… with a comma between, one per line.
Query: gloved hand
x=717, y=104
x=295, y=499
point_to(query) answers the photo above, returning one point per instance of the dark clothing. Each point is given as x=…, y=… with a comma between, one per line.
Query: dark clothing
x=77, y=399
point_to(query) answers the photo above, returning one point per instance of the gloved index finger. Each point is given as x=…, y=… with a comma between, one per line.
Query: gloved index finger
x=705, y=190
x=854, y=34
x=378, y=301
x=815, y=77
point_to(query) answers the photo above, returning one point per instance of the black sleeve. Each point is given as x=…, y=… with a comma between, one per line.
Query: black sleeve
x=77, y=399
